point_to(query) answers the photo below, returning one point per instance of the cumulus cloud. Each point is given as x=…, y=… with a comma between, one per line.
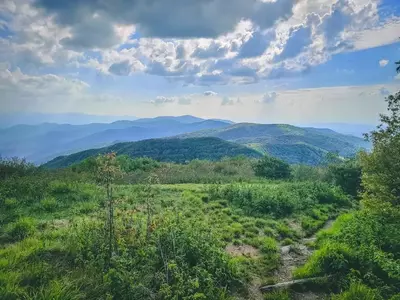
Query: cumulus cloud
x=170, y=18
x=28, y=92
x=383, y=62
x=193, y=42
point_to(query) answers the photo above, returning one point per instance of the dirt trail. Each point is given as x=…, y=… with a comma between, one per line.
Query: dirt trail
x=293, y=256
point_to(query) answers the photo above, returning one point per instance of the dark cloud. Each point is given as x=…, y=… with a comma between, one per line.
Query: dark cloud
x=161, y=18
x=91, y=33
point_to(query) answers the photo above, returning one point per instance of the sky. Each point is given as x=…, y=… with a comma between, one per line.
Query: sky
x=269, y=61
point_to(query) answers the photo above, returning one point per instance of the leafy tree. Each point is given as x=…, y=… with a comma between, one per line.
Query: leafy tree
x=347, y=175
x=381, y=168
x=272, y=168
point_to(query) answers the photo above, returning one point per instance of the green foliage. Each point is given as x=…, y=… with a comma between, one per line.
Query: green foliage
x=293, y=144
x=21, y=229
x=268, y=245
x=10, y=203
x=308, y=173
x=347, y=175
x=358, y=292
x=279, y=200
x=169, y=150
x=272, y=168
x=49, y=204
x=15, y=167
x=331, y=258
x=277, y=295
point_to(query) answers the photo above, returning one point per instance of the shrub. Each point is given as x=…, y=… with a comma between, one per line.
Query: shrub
x=49, y=204
x=21, y=229
x=272, y=168
x=268, y=245
x=332, y=258
x=10, y=203
x=287, y=241
x=358, y=291
x=277, y=295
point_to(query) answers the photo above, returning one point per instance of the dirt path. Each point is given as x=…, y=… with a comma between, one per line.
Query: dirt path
x=294, y=256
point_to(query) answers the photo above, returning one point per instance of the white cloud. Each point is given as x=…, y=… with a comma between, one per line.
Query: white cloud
x=237, y=42
x=160, y=100
x=182, y=100
x=55, y=94
x=383, y=62
x=210, y=93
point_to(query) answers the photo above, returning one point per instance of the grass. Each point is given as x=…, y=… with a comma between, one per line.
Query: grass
x=58, y=254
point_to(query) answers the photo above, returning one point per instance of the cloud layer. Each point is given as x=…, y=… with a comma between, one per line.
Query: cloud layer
x=193, y=42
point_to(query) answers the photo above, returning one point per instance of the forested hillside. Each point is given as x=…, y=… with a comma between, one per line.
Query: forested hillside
x=293, y=144
x=173, y=150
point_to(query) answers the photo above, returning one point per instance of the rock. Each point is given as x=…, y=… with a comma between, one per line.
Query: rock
x=285, y=250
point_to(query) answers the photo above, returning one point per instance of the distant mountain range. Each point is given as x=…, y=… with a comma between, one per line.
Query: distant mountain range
x=290, y=143
x=40, y=143
x=12, y=119
x=43, y=142
x=171, y=150
x=346, y=128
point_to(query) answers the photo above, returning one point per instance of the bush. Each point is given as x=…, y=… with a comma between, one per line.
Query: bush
x=332, y=258
x=279, y=200
x=268, y=245
x=358, y=291
x=277, y=295
x=49, y=204
x=346, y=175
x=10, y=203
x=21, y=229
x=272, y=168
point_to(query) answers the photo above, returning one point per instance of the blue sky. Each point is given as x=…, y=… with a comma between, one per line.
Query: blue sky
x=287, y=61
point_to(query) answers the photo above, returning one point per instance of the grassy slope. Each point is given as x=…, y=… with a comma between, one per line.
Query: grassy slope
x=46, y=260
x=175, y=150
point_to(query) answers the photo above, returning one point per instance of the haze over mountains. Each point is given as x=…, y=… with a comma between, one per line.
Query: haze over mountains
x=43, y=142
x=40, y=143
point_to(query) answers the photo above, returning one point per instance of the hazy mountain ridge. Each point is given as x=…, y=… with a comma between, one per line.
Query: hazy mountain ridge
x=40, y=143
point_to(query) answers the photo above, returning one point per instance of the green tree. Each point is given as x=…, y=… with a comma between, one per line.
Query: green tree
x=108, y=170
x=272, y=168
x=381, y=168
x=347, y=175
